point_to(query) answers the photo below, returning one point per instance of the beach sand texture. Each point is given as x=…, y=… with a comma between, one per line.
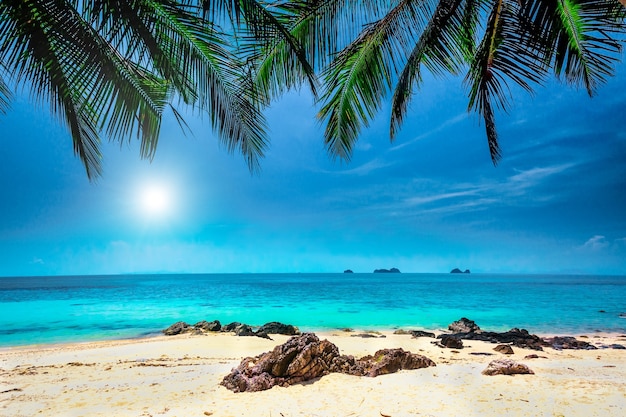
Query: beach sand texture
x=180, y=376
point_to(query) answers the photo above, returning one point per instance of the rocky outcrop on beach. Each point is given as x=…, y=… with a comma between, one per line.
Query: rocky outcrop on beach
x=464, y=325
x=239, y=329
x=505, y=349
x=206, y=326
x=466, y=329
x=506, y=367
x=275, y=327
x=568, y=342
x=450, y=341
x=415, y=333
x=305, y=357
x=179, y=327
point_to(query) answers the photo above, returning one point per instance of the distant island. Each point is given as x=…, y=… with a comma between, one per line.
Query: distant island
x=458, y=271
x=348, y=271
x=385, y=271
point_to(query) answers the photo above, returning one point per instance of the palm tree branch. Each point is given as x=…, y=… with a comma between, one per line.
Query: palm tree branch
x=361, y=74
x=438, y=41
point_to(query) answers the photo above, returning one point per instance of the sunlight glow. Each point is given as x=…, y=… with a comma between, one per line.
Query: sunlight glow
x=155, y=200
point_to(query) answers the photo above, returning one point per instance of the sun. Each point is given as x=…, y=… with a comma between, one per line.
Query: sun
x=155, y=200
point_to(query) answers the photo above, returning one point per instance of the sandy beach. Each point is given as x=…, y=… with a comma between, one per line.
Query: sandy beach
x=180, y=376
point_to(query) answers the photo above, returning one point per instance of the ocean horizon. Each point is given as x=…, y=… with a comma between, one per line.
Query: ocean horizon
x=60, y=309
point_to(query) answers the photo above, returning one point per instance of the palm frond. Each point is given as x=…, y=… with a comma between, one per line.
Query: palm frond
x=582, y=39
x=361, y=75
x=269, y=39
x=223, y=85
x=5, y=96
x=441, y=47
x=506, y=54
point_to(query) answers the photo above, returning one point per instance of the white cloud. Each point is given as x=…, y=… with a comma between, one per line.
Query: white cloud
x=531, y=177
x=421, y=200
x=596, y=243
x=450, y=122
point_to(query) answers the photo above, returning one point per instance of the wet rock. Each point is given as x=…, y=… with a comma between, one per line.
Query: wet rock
x=617, y=346
x=275, y=327
x=179, y=327
x=464, y=325
x=506, y=367
x=506, y=349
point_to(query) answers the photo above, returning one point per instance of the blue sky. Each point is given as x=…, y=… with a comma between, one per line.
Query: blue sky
x=428, y=202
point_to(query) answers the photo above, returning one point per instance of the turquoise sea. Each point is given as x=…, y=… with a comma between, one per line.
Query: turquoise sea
x=80, y=308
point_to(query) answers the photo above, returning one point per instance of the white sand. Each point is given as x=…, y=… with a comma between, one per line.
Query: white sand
x=180, y=376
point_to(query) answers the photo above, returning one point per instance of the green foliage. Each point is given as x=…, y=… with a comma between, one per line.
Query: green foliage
x=110, y=68
x=500, y=43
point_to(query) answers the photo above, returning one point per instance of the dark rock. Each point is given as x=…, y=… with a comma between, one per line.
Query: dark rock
x=230, y=327
x=299, y=359
x=384, y=271
x=464, y=325
x=421, y=333
x=262, y=335
x=617, y=346
x=515, y=337
x=367, y=335
x=458, y=271
x=178, y=328
x=601, y=311
x=205, y=326
x=244, y=330
x=275, y=327
x=415, y=333
x=348, y=271
x=506, y=367
x=506, y=349
x=305, y=357
x=481, y=353
x=568, y=342
x=387, y=361
x=450, y=341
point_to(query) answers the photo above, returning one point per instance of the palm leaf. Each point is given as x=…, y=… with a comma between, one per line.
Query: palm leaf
x=361, y=74
x=503, y=56
x=581, y=39
x=441, y=47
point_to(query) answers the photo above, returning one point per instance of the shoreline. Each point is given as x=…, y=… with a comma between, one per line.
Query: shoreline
x=319, y=331
x=180, y=376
